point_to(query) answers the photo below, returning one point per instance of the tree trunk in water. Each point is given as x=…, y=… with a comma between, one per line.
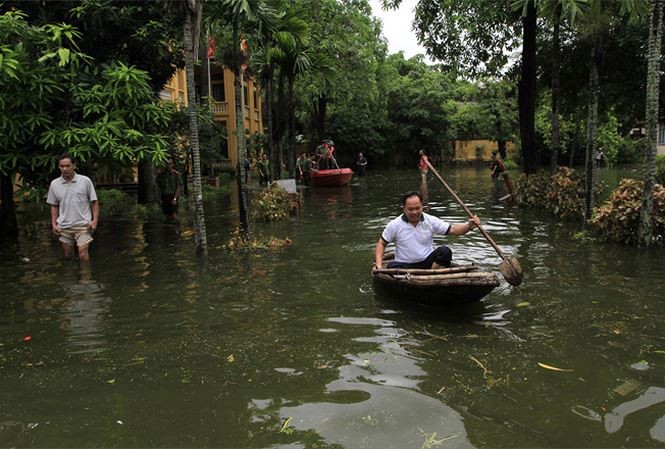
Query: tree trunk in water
x=502, y=149
x=527, y=91
x=240, y=137
x=645, y=232
x=556, y=43
x=8, y=224
x=592, y=127
x=291, y=159
x=200, y=226
x=272, y=155
x=146, y=186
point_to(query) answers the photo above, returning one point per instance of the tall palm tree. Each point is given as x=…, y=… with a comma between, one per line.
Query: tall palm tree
x=287, y=26
x=294, y=59
x=653, y=93
x=192, y=11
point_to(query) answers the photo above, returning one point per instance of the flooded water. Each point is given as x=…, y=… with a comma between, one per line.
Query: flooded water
x=151, y=346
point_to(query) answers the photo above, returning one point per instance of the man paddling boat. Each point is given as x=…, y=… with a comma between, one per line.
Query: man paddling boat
x=413, y=235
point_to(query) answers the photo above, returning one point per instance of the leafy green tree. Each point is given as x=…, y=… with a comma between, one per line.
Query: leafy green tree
x=54, y=99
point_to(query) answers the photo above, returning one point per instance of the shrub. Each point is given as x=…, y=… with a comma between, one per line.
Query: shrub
x=274, y=203
x=565, y=195
x=531, y=190
x=562, y=193
x=114, y=202
x=629, y=151
x=618, y=218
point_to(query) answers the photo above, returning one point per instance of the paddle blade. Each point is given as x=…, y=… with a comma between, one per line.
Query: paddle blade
x=512, y=271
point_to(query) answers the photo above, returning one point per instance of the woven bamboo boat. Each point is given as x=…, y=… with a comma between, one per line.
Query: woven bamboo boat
x=446, y=286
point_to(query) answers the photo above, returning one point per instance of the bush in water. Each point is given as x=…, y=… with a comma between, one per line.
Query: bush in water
x=274, y=203
x=619, y=217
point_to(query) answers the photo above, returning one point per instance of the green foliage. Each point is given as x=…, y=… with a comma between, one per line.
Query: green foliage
x=630, y=151
x=274, y=203
x=660, y=170
x=511, y=164
x=609, y=139
x=114, y=203
x=618, y=218
x=214, y=193
x=56, y=99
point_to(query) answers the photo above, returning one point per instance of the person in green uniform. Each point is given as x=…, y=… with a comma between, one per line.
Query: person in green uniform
x=264, y=169
x=169, y=182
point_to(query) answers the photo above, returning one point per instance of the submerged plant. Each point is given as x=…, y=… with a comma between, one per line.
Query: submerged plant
x=252, y=243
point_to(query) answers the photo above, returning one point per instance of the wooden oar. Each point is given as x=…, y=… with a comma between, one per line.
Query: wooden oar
x=510, y=268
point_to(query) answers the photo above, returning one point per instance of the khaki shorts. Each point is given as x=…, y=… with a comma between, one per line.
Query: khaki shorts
x=76, y=236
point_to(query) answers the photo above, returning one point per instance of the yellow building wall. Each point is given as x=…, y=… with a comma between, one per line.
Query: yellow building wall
x=176, y=88
x=480, y=150
x=223, y=111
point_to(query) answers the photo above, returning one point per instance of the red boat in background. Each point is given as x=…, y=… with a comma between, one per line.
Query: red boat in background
x=336, y=177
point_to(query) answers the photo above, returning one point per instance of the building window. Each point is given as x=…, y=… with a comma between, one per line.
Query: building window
x=246, y=95
x=217, y=77
x=218, y=92
x=256, y=99
x=661, y=135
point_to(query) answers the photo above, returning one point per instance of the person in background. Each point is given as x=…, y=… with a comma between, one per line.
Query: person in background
x=74, y=208
x=497, y=166
x=248, y=169
x=413, y=235
x=361, y=164
x=422, y=163
x=299, y=166
x=169, y=183
x=264, y=169
x=600, y=157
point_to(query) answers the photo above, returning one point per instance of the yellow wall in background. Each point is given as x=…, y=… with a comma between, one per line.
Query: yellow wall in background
x=479, y=149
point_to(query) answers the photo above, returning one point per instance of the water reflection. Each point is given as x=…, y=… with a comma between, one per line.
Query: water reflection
x=83, y=311
x=375, y=393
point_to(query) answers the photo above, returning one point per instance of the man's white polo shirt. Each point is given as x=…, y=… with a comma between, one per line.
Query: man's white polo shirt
x=73, y=198
x=414, y=243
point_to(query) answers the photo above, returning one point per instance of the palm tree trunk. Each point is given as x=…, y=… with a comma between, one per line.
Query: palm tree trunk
x=291, y=158
x=527, y=90
x=240, y=136
x=645, y=232
x=271, y=133
x=200, y=227
x=556, y=69
x=592, y=130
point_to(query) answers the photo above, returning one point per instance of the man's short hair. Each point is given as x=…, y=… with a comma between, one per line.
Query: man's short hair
x=408, y=195
x=66, y=155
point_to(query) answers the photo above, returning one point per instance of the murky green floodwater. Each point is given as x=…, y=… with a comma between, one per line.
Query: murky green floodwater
x=152, y=347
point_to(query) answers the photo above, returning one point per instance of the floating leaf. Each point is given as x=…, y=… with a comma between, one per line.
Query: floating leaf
x=523, y=304
x=231, y=358
x=554, y=368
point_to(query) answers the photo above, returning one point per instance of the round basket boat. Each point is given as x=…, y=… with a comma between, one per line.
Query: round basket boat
x=445, y=286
